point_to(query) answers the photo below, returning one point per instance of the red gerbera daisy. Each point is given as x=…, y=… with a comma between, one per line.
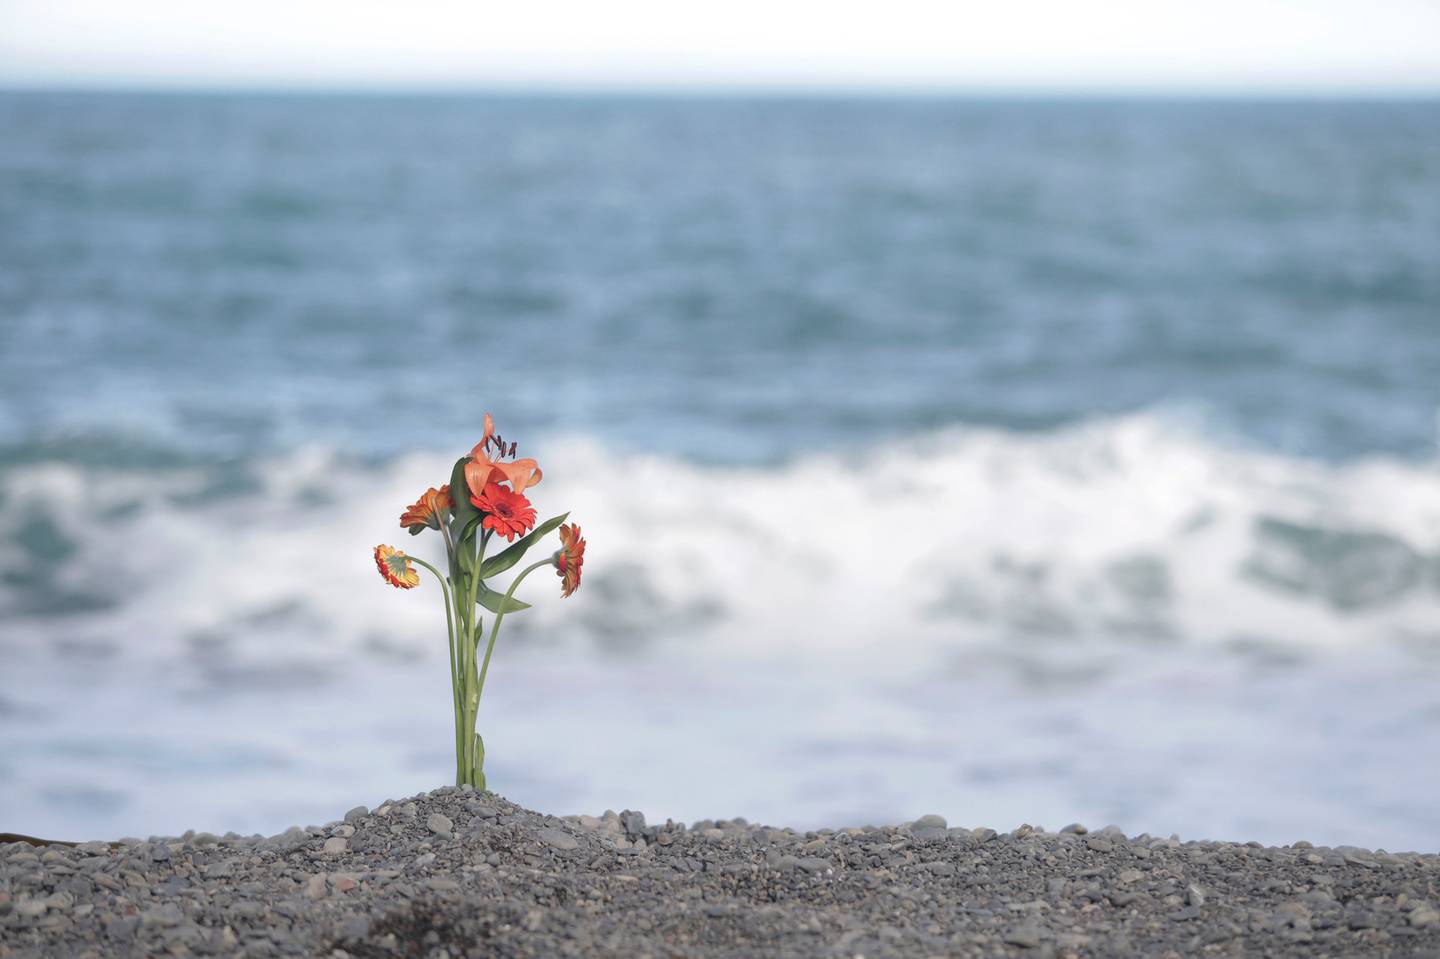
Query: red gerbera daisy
x=506, y=512
x=569, y=558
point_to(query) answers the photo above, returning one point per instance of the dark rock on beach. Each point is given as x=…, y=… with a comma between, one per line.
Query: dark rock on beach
x=457, y=873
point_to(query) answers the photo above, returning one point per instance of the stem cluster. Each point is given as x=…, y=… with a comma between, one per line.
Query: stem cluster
x=465, y=625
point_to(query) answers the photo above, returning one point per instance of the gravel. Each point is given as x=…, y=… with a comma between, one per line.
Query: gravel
x=458, y=873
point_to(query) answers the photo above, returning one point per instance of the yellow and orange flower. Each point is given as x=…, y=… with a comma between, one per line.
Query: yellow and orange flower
x=395, y=567
x=428, y=510
x=506, y=512
x=569, y=558
x=483, y=469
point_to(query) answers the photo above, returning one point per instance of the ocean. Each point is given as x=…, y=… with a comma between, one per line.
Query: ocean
x=1012, y=460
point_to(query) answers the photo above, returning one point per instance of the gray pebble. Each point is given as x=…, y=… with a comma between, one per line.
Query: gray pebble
x=1026, y=936
x=557, y=838
x=901, y=891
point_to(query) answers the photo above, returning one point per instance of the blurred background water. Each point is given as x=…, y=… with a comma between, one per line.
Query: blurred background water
x=1013, y=460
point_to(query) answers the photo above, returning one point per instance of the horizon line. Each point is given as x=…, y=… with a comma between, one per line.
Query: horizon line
x=727, y=90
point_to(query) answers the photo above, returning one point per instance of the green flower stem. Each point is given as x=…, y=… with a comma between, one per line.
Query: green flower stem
x=495, y=626
x=472, y=628
x=454, y=674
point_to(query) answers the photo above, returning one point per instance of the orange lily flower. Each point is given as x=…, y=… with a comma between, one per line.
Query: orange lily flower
x=483, y=470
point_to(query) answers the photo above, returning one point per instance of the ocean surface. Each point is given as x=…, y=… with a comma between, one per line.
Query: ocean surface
x=1016, y=461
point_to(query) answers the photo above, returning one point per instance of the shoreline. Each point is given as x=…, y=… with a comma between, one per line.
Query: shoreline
x=456, y=872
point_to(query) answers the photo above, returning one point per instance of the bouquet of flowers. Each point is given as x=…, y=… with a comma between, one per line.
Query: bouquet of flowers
x=485, y=498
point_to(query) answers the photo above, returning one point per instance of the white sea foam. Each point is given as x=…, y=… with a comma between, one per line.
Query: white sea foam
x=1129, y=530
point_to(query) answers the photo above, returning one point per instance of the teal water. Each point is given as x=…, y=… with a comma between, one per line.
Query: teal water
x=727, y=280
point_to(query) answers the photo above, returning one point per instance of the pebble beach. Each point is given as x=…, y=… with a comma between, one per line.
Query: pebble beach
x=460, y=873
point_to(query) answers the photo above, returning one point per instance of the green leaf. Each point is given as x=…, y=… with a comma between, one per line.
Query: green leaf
x=463, y=510
x=512, y=554
x=492, y=601
x=417, y=530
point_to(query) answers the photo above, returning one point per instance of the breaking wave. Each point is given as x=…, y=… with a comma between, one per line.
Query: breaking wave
x=1133, y=530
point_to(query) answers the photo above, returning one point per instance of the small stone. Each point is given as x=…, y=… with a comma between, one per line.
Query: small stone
x=1423, y=915
x=557, y=838
x=939, y=868
x=440, y=884
x=335, y=847
x=159, y=852
x=1186, y=914
x=1026, y=936
x=440, y=824
x=930, y=822
x=163, y=916
x=1075, y=828
x=1359, y=919
x=359, y=812
x=1194, y=896
x=343, y=882
x=218, y=942
x=355, y=927
x=983, y=834
x=633, y=823
x=814, y=865
x=30, y=908
x=1128, y=876
x=122, y=929
x=1099, y=845
x=315, y=887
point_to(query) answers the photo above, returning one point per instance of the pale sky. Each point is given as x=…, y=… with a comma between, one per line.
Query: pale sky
x=1366, y=46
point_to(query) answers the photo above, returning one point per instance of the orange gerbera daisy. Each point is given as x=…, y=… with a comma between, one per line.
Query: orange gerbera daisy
x=506, y=511
x=483, y=469
x=569, y=558
x=395, y=567
x=428, y=509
